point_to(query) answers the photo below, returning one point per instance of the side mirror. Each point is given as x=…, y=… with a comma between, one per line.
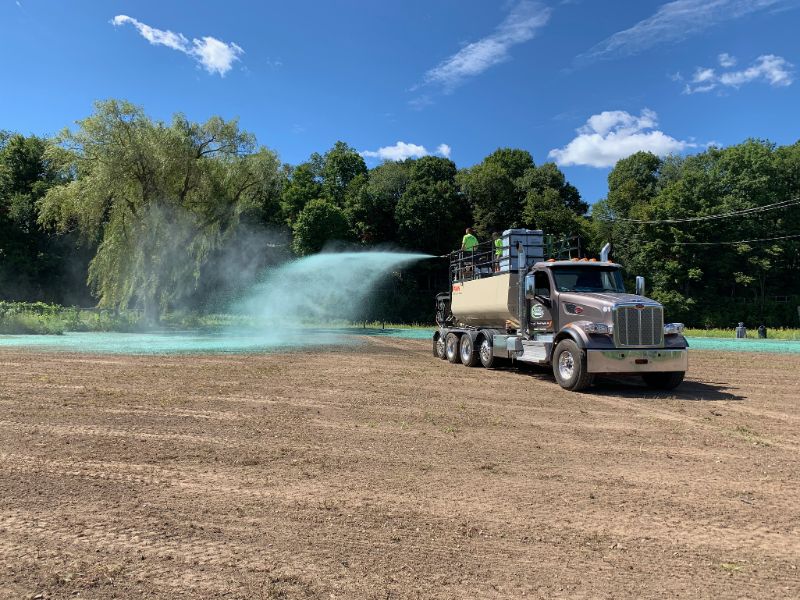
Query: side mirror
x=530, y=291
x=639, y=285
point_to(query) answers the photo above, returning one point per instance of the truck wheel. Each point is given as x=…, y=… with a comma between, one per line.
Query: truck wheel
x=663, y=381
x=439, y=349
x=569, y=367
x=468, y=355
x=486, y=354
x=451, y=348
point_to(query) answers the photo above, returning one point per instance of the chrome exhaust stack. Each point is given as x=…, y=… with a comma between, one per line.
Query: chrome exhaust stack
x=605, y=252
x=522, y=267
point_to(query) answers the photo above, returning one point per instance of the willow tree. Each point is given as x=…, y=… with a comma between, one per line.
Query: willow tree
x=157, y=197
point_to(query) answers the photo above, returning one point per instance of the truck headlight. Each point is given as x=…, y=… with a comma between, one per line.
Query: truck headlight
x=673, y=328
x=598, y=328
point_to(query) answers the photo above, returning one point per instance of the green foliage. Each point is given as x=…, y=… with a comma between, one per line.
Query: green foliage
x=33, y=262
x=53, y=319
x=162, y=209
x=492, y=190
x=431, y=215
x=551, y=203
x=340, y=165
x=301, y=189
x=508, y=190
x=158, y=198
x=371, y=202
x=713, y=284
x=319, y=222
x=632, y=183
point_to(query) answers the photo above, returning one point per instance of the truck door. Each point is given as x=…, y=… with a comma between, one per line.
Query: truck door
x=538, y=292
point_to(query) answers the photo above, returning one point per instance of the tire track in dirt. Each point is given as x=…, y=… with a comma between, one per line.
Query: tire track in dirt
x=712, y=533
x=394, y=482
x=88, y=430
x=148, y=554
x=691, y=420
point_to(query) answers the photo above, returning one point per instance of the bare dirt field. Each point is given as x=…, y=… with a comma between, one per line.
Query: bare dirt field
x=381, y=472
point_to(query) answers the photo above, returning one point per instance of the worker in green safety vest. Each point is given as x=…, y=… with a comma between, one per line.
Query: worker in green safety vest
x=469, y=242
x=498, y=250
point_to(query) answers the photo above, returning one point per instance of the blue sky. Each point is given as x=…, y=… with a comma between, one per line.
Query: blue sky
x=580, y=82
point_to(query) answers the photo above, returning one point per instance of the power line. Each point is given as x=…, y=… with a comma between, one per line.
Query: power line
x=783, y=237
x=735, y=213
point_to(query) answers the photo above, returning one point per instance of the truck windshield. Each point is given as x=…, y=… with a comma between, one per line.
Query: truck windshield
x=588, y=279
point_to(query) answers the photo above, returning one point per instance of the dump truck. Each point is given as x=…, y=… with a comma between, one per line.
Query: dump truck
x=535, y=300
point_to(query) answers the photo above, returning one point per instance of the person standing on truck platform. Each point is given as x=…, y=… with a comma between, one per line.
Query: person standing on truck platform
x=469, y=242
x=498, y=250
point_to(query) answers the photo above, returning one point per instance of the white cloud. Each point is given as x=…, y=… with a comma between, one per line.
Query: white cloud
x=612, y=135
x=214, y=55
x=402, y=151
x=672, y=22
x=473, y=59
x=701, y=75
x=726, y=60
x=774, y=70
x=420, y=102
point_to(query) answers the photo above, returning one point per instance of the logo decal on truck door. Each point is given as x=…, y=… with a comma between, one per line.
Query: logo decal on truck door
x=537, y=311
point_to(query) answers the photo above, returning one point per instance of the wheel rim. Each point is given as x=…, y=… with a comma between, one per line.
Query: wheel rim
x=440, y=347
x=566, y=365
x=451, y=345
x=466, y=351
x=486, y=351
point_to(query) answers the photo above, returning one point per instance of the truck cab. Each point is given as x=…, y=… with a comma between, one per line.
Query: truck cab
x=572, y=314
x=584, y=303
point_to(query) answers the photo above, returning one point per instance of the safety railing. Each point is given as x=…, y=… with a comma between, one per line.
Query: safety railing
x=487, y=259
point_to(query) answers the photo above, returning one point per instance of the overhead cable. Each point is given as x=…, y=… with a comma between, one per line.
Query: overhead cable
x=735, y=213
x=783, y=237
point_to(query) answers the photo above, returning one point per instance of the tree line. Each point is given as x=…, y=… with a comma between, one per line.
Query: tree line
x=124, y=211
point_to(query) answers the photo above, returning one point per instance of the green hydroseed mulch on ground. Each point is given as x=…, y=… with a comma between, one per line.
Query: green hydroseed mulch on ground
x=192, y=342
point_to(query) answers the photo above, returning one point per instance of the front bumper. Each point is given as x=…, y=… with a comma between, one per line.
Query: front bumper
x=637, y=361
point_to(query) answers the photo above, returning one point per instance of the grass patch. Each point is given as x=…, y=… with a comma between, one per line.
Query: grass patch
x=781, y=333
x=25, y=318
x=751, y=436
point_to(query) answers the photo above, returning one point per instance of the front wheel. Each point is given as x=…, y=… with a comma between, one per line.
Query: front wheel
x=569, y=367
x=663, y=381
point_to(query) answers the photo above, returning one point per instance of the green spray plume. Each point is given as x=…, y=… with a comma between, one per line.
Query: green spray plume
x=321, y=289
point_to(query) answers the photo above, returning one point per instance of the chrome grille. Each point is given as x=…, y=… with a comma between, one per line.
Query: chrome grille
x=639, y=326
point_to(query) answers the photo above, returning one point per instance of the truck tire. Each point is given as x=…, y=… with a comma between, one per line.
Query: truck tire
x=663, y=381
x=569, y=366
x=486, y=353
x=469, y=357
x=452, y=349
x=439, y=350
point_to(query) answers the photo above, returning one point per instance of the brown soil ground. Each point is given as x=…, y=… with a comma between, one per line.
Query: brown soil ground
x=381, y=472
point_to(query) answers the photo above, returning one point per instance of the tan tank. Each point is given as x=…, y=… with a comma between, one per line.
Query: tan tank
x=488, y=302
